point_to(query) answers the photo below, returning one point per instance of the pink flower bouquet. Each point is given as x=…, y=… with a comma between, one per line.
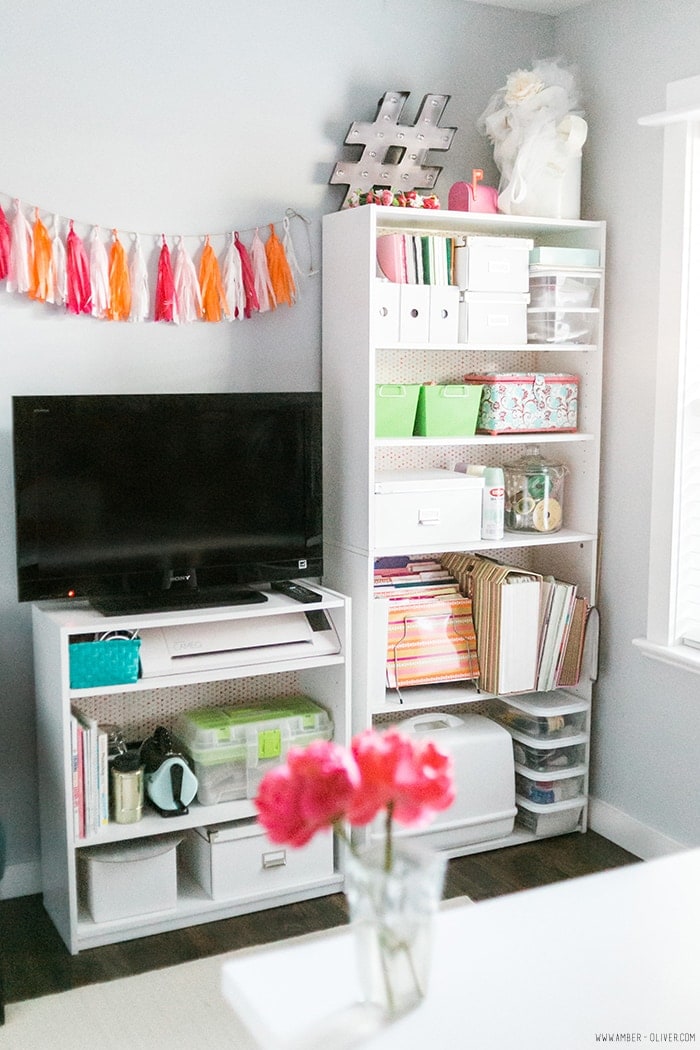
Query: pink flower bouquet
x=325, y=786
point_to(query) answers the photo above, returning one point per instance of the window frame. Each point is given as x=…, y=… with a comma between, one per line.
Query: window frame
x=679, y=264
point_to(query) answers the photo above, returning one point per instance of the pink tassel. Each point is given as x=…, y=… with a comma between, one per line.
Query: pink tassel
x=19, y=276
x=138, y=279
x=165, y=285
x=261, y=275
x=5, y=242
x=233, y=282
x=251, y=298
x=78, y=292
x=188, y=294
x=99, y=275
x=58, y=262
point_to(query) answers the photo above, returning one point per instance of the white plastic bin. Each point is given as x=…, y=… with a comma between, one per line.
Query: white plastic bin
x=131, y=878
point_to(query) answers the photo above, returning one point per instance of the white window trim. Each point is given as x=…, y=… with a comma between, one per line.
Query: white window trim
x=681, y=123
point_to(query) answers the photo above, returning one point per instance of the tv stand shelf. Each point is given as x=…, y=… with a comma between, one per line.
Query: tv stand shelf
x=323, y=676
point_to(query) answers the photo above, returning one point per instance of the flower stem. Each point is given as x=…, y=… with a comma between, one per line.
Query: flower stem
x=389, y=842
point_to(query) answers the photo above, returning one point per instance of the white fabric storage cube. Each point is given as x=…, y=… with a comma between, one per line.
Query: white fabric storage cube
x=414, y=313
x=426, y=507
x=443, y=325
x=490, y=318
x=137, y=877
x=484, y=775
x=493, y=264
x=385, y=312
x=237, y=860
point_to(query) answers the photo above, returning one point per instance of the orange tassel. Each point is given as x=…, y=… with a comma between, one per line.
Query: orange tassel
x=41, y=273
x=280, y=272
x=119, y=283
x=213, y=295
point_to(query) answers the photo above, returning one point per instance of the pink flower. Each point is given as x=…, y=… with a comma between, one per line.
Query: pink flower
x=386, y=197
x=310, y=792
x=411, y=779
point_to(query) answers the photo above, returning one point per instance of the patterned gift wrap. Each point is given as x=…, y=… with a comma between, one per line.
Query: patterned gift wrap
x=516, y=402
x=430, y=641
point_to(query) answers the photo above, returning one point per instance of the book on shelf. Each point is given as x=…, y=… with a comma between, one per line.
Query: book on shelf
x=91, y=774
x=407, y=258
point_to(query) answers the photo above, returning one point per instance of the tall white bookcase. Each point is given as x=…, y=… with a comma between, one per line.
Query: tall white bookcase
x=357, y=357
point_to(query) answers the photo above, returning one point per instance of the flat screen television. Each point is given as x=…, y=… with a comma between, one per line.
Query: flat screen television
x=152, y=501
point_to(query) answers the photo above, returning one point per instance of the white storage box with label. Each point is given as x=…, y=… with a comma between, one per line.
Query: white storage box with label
x=491, y=318
x=493, y=264
x=484, y=807
x=233, y=747
x=237, y=860
x=138, y=877
x=426, y=508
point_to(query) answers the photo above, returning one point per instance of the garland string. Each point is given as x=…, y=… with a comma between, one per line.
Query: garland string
x=85, y=278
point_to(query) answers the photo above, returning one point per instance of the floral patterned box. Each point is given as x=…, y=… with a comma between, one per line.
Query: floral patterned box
x=517, y=402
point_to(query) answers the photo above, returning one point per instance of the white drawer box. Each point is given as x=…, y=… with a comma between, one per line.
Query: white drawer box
x=426, y=507
x=493, y=264
x=237, y=860
x=490, y=318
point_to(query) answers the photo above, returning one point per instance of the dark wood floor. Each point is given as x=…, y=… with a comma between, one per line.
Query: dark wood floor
x=35, y=961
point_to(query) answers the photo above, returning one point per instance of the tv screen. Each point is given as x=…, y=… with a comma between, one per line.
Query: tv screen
x=149, y=500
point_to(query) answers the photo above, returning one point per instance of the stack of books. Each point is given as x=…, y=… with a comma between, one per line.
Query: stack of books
x=90, y=775
x=407, y=258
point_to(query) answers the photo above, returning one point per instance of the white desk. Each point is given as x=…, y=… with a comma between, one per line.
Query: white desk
x=555, y=968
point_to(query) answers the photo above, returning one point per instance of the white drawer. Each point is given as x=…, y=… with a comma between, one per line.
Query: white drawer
x=235, y=861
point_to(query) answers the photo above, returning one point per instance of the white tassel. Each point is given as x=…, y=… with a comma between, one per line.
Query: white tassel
x=233, y=283
x=19, y=277
x=138, y=278
x=99, y=275
x=261, y=275
x=188, y=295
x=58, y=258
x=288, y=246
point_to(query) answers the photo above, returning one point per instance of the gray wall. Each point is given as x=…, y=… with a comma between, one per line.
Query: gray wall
x=646, y=716
x=198, y=118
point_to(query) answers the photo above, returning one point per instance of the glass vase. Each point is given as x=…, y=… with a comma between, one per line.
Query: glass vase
x=392, y=915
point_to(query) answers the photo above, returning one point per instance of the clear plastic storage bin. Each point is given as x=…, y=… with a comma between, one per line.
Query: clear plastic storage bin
x=561, y=326
x=233, y=747
x=561, y=290
x=547, y=792
x=560, y=818
x=541, y=724
x=547, y=759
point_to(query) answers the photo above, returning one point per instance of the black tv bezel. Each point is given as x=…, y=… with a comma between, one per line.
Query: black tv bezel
x=227, y=583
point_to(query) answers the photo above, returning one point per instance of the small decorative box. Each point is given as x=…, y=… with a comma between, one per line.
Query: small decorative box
x=111, y=662
x=522, y=403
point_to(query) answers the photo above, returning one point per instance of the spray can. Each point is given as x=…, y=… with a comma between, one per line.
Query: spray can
x=493, y=504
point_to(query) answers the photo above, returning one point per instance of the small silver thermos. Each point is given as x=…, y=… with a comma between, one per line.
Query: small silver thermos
x=126, y=774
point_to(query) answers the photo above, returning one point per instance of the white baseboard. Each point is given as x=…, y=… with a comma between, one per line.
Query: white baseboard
x=20, y=880
x=639, y=839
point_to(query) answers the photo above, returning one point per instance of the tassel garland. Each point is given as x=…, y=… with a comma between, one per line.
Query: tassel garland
x=108, y=284
x=251, y=298
x=5, y=242
x=165, y=285
x=19, y=276
x=42, y=278
x=78, y=292
x=213, y=298
x=279, y=269
x=188, y=296
x=119, y=284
